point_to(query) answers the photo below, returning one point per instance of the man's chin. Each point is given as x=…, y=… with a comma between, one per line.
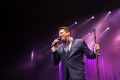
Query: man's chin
x=63, y=40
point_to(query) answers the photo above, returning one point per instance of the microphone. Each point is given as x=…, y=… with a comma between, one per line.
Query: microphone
x=56, y=42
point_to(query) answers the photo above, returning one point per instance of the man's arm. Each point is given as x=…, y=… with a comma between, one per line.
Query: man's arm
x=89, y=54
x=55, y=57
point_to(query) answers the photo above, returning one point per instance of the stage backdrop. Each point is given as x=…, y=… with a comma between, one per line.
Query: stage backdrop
x=36, y=64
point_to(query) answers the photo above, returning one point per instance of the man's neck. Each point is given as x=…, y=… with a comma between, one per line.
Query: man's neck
x=67, y=39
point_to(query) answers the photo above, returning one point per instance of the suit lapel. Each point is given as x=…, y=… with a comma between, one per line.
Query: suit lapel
x=63, y=51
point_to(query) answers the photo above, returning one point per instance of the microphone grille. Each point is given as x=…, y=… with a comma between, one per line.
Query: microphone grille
x=59, y=38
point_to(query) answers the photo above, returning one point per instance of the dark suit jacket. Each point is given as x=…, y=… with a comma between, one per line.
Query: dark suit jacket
x=74, y=62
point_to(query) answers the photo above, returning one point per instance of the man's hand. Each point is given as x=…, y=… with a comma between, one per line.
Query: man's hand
x=96, y=48
x=55, y=46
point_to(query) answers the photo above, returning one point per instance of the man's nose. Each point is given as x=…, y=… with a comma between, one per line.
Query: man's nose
x=59, y=36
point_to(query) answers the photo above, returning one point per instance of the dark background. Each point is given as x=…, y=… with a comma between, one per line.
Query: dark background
x=27, y=23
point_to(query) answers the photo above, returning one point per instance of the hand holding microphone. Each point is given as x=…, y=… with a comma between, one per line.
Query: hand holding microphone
x=56, y=42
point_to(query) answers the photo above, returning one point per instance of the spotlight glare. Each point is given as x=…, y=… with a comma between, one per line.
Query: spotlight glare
x=88, y=33
x=107, y=28
x=109, y=12
x=75, y=22
x=92, y=17
x=32, y=55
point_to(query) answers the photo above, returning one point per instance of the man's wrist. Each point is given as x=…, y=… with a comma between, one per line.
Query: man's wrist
x=53, y=49
x=96, y=52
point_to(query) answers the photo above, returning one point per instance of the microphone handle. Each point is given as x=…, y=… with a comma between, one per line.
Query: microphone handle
x=56, y=42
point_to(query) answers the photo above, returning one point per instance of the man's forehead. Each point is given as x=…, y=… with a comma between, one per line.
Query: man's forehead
x=62, y=30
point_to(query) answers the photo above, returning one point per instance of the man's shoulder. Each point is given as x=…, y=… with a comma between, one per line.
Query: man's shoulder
x=78, y=40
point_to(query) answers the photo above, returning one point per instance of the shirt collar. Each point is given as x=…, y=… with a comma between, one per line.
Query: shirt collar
x=71, y=39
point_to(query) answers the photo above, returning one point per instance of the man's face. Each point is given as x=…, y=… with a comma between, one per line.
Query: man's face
x=63, y=35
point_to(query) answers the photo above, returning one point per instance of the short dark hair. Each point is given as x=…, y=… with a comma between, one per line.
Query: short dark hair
x=67, y=29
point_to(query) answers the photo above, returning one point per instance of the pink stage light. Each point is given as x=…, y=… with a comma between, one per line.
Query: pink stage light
x=89, y=33
x=32, y=55
x=75, y=22
x=109, y=12
x=107, y=28
x=72, y=25
x=93, y=17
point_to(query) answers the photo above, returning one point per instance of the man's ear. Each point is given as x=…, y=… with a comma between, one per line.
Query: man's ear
x=68, y=33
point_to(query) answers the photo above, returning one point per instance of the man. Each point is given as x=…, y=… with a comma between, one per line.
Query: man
x=71, y=52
